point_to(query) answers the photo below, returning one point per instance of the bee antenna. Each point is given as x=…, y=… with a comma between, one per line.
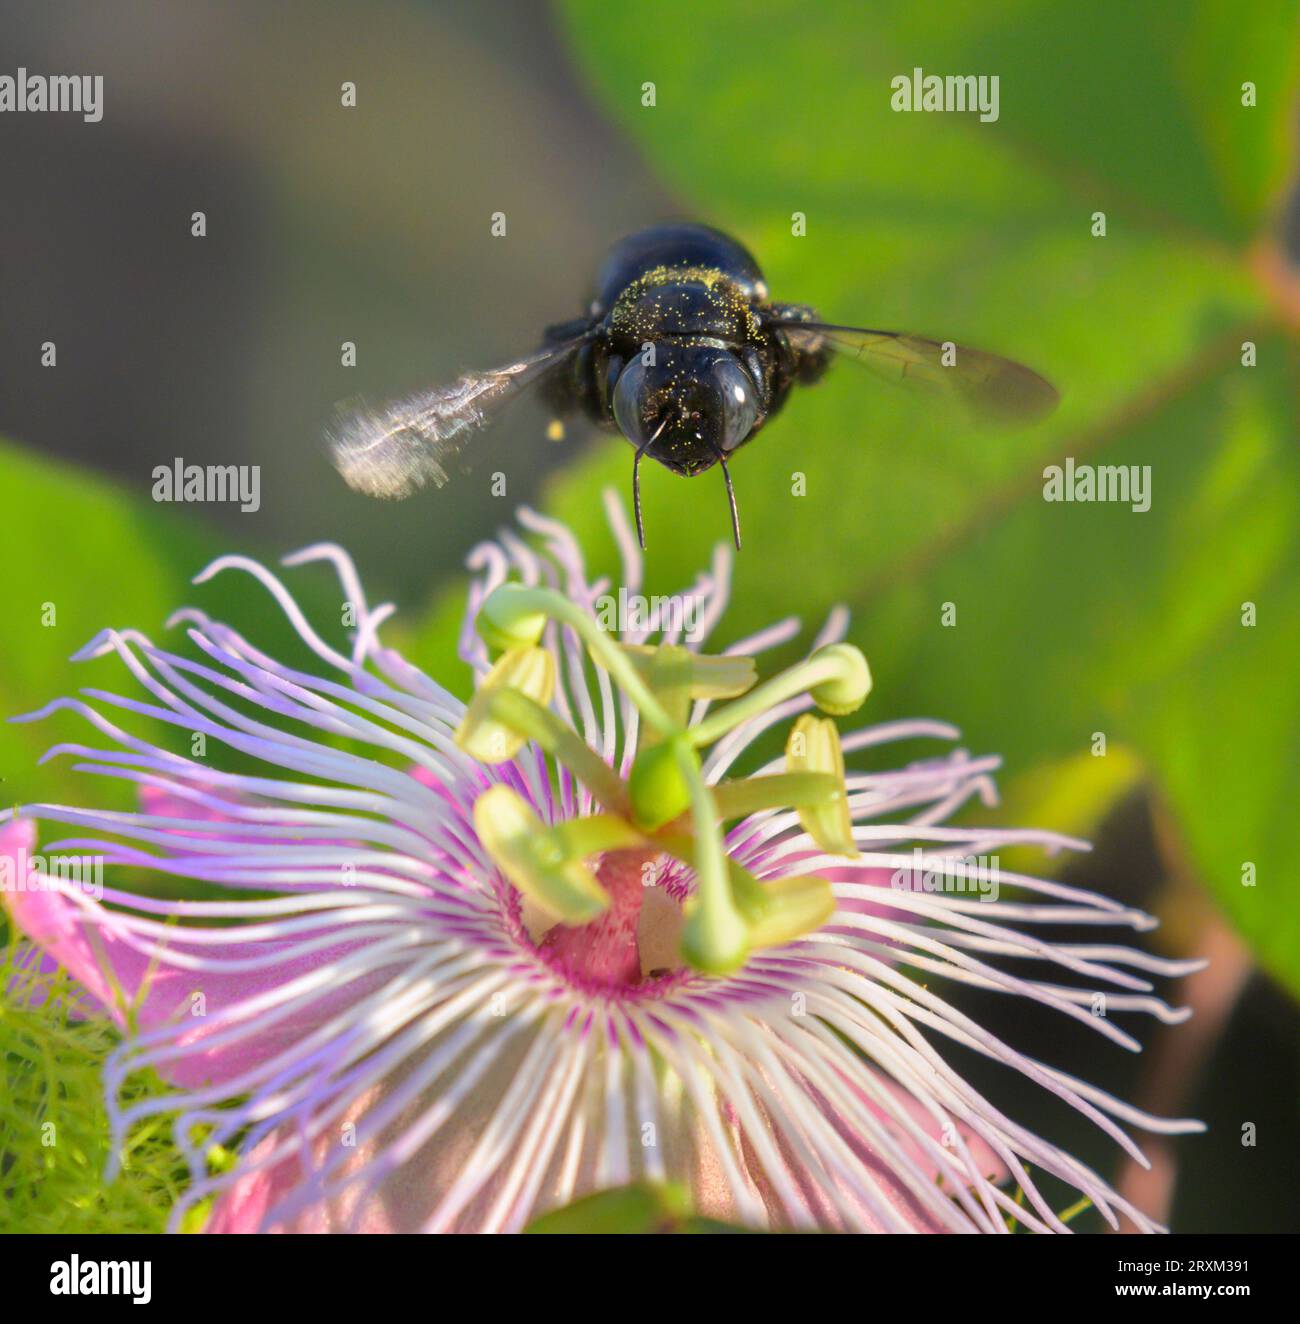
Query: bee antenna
x=636, y=493
x=731, y=500
x=636, y=480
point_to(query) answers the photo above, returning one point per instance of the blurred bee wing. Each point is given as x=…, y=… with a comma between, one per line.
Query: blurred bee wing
x=394, y=450
x=994, y=389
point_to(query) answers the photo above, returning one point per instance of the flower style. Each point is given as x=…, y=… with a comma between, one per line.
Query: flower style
x=455, y=966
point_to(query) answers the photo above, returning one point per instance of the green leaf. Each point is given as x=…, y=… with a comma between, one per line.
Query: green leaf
x=81, y=554
x=1071, y=619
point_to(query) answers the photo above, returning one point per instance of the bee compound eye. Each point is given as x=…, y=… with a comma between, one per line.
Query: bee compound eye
x=737, y=402
x=631, y=395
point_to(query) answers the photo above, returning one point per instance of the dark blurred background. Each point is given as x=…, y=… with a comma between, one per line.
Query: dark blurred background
x=372, y=225
x=324, y=225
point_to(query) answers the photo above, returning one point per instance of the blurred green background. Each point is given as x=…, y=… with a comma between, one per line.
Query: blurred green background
x=372, y=225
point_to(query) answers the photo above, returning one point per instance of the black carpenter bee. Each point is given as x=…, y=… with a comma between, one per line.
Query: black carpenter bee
x=682, y=352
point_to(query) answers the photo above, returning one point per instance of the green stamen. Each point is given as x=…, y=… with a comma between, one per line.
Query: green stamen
x=516, y=603
x=535, y=860
x=834, y=675
x=666, y=805
x=814, y=747
x=505, y=623
x=712, y=676
x=748, y=795
x=527, y=672
x=715, y=939
x=545, y=728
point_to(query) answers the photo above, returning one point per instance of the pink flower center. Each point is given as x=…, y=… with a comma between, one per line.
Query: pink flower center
x=606, y=952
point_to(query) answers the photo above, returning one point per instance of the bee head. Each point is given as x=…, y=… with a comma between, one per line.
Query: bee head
x=687, y=406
